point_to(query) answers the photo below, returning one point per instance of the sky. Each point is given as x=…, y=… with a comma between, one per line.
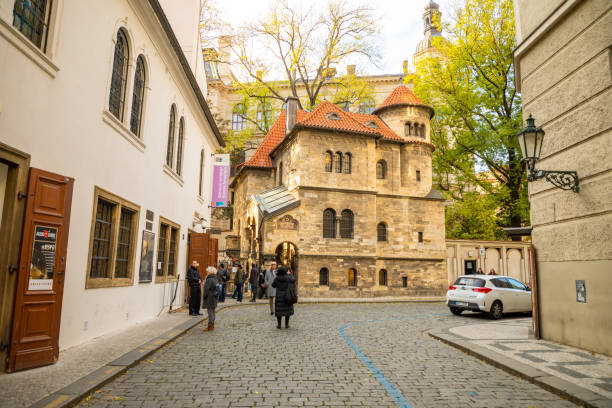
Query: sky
x=401, y=26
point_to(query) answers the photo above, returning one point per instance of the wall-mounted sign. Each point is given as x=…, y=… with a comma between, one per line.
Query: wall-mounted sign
x=287, y=222
x=580, y=291
x=221, y=171
x=483, y=251
x=146, y=257
x=42, y=267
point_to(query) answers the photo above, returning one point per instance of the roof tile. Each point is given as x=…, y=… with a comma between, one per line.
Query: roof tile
x=401, y=95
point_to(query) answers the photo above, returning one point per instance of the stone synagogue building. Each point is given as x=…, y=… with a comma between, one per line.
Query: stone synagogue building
x=346, y=200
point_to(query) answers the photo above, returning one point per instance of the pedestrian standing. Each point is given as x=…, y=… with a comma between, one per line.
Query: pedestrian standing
x=223, y=278
x=210, y=296
x=283, y=282
x=260, y=284
x=239, y=279
x=253, y=278
x=194, y=280
x=492, y=272
x=480, y=271
x=271, y=291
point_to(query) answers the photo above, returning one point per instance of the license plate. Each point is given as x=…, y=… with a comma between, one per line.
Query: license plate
x=461, y=303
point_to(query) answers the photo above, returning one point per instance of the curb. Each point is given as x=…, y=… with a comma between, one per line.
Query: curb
x=556, y=385
x=71, y=394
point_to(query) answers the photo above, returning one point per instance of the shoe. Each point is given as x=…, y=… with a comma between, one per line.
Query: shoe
x=210, y=327
x=278, y=327
x=286, y=326
x=271, y=313
x=198, y=314
x=192, y=314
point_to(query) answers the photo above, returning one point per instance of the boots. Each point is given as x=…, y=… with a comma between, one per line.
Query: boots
x=210, y=327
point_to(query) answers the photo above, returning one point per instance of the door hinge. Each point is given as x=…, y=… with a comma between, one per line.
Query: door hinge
x=21, y=195
x=12, y=269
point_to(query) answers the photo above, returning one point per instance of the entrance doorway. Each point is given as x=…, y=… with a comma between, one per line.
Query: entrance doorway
x=470, y=267
x=286, y=254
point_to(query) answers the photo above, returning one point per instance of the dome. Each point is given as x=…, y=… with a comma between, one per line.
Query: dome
x=432, y=5
x=425, y=43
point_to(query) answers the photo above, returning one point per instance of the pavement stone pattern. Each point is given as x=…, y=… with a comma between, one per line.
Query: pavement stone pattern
x=24, y=388
x=247, y=362
x=589, y=370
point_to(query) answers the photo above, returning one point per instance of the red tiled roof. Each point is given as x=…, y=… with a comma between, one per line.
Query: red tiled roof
x=320, y=118
x=402, y=95
x=383, y=129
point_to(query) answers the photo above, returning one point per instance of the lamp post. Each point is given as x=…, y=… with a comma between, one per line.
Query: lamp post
x=530, y=141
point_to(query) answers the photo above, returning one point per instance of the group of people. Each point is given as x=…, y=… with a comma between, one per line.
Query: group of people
x=276, y=283
x=481, y=272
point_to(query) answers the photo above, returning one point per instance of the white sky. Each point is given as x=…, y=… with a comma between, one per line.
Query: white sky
x=401, y=25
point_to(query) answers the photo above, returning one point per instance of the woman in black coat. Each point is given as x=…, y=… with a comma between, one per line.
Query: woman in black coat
x=282, y=307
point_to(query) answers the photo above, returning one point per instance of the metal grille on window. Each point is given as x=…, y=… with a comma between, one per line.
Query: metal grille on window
x=324, y=277
x=328, y=162
x=329, y=223
x=170, y=147
x=100, y=252
x=31, y=18
x=352, y=277
x=347, y=163
x=138, y=96
x=123, y=244
x=161, y=250
x=118, y=80
x=382, y=277
x=381, y=230
x=381, y=169
x=179, y=148
x=238, y=117
x=346, y=224
x=338, y=162
x=172, y=252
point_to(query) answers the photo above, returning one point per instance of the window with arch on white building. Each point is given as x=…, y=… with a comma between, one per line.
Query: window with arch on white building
x=171, y=130
x=138, y=96
x=116, y=99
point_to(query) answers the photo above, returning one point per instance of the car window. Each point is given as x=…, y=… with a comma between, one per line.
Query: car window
x=475, y=282
x=515, y=284
x=501, y=283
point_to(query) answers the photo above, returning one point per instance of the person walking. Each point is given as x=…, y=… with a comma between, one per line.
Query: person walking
x=223, y=278
x=260, y=284
x=268, y=279
x=195, y=295
x=282, y=283
x=239, y=279
x=210, y=296
x=253, y=278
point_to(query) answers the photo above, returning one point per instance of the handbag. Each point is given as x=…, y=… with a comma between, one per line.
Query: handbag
x=291, y=295
x=264, y=285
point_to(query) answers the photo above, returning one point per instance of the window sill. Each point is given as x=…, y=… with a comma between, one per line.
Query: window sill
x=98, y=283
x=23, y=44
x=170, y=172
x=120, y=128
x=165, y=279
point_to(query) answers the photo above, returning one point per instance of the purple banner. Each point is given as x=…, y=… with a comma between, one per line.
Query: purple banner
x=221, y=171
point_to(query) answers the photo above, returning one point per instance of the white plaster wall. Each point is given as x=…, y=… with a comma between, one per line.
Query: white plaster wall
x=59, y=122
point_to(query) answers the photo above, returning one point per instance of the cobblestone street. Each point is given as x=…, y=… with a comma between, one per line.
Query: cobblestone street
x=374, y=355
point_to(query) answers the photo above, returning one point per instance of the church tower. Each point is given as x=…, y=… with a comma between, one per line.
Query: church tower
x=424, y=48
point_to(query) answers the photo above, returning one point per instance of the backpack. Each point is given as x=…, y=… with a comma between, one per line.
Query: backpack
x=217, y=290
x=291, y=295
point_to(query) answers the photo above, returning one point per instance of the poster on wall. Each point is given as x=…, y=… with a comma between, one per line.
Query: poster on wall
x=42, y=267
x=146, y=257
x=221, y=171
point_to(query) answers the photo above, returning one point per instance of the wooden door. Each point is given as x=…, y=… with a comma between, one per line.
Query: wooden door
x=199, y=250
x=42, y=264
x=213, y=252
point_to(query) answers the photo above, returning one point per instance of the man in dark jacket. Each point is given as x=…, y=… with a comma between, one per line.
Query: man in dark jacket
x=224, y=277
x=253, y=281
x=210, y=297
x=195, y=295
x=239, y=279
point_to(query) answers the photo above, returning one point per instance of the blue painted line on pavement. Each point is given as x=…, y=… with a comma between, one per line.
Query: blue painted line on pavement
x=387, y=385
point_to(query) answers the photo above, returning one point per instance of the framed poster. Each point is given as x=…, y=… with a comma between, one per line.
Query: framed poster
x=146, y=257
x=221, y=171
x=42, y=266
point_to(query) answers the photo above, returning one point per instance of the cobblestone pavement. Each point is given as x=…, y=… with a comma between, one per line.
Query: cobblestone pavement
x=373, y=355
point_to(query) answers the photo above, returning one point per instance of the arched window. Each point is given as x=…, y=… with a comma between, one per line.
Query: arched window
x=32, y=19
x=352, y=277
x=381, y=232
x=382, y=277
x=138, y=96
x=422, y=133
x=346, y=224
x=338, y=162
x=366, y=106
x=381, y=169
x=347, y=163
x=407, y=129
x=116, y=100
x=179, y=148
x=238, y=117
x=324, y=277
x=329, y=223
x=280, y=173
x=329, y=158
x=202, y=173
x=416, y=129
x=263, y=116
x=418, y=175
x=171, y=126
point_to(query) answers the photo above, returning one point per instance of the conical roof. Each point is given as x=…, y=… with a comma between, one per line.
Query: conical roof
x=401, y=96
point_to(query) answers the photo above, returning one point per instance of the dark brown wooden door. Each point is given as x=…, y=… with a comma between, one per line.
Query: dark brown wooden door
x=213, y=252
x=199, y=250
x=42, y=266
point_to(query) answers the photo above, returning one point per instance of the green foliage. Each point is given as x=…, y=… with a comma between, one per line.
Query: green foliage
x=473, y=217
x=470, y=83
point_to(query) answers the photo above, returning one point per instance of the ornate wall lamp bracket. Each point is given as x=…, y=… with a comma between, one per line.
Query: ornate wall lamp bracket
x=565, y=180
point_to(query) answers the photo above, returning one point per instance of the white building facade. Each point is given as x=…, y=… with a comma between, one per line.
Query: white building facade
x=103, y=125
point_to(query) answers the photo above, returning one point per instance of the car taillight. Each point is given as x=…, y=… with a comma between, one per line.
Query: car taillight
x=451, y=287
x=482, y=290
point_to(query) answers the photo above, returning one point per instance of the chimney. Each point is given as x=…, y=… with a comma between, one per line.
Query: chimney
x=350, y=70
x=291, y=104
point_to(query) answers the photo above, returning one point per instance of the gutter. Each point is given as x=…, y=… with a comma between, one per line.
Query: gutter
x=163, y=20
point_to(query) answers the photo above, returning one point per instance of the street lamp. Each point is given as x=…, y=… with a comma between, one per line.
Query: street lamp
x=530, y=141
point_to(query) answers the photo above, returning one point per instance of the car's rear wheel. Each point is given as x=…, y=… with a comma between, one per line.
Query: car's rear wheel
x=497, y=309
x=456, y=311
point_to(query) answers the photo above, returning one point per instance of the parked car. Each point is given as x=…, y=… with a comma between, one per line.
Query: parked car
x=492, y=294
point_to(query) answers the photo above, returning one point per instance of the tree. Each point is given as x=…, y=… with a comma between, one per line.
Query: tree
x=470, y=83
